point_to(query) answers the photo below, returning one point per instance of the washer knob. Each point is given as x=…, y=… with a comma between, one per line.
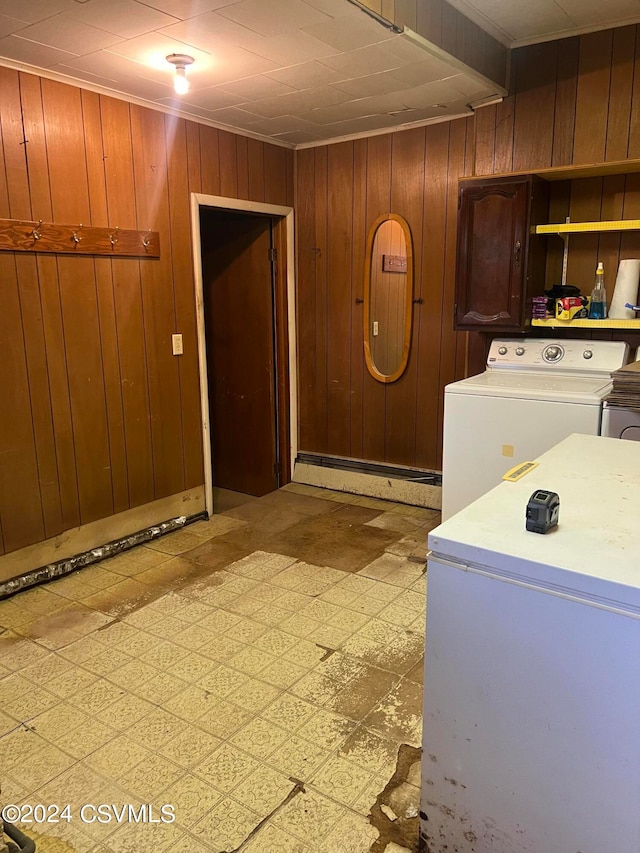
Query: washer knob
x=553, y=353
x=587, y=354
x=520, y=351
x=502, y=350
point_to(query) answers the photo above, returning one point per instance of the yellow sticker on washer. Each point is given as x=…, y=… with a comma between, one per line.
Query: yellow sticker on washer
x=519, y=471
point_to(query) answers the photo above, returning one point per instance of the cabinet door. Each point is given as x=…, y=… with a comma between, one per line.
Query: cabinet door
x=493, y=227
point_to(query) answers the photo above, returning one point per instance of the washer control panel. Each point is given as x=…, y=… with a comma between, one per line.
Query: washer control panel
x=566, y=355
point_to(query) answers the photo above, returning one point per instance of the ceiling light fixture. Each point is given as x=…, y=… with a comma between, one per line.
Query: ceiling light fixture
x=180, y=62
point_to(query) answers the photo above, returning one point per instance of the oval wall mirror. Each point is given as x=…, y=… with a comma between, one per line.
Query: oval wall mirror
x=388, y=297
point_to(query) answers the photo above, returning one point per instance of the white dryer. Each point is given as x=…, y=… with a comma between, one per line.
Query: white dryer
x=534, y=393
x=621, y=423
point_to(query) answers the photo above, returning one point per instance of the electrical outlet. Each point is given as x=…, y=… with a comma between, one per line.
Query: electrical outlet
x=375, y=328
x=176, y=344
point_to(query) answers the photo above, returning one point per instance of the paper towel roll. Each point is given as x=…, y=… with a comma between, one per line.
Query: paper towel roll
x=626, y=290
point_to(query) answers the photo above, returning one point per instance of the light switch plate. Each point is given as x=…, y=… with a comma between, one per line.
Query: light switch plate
x=375, y=328
x=176, y=344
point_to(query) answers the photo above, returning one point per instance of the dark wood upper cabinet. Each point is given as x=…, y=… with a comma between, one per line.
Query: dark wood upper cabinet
x=499, y=263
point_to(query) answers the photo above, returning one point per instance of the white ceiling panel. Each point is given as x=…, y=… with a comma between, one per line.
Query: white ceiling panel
x=211, y=31
x=426, y=71
x=529, y=21
x=126, y=18
x=307, y=75
x=373, y=84
x=297, y=102
x=95, y=79
x=33, y=11
x=285, y=50
x=67, y=33
x=256, y=87
x=589, y=12
x=210, y=99
x=152, y=49
x=349, y=32
x=365, y=60
x=275, y=17
x=32, y=53
x=10, y=25
x=281, y=124
x=187, y=8
x=335, y=8
x=233, y=117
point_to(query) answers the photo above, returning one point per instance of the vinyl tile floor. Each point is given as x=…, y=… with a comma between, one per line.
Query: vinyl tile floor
x=249, y=683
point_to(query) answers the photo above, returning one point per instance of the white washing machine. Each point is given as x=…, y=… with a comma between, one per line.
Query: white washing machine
x=534, y=393
x=621, y=423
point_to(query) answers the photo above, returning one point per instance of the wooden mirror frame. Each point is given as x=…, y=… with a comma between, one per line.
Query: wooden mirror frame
x=392, y=377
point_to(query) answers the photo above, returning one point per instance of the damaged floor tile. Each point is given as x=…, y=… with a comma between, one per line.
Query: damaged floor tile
x=259, y=673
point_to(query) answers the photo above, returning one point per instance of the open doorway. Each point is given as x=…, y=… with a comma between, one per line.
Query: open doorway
x=244, y=288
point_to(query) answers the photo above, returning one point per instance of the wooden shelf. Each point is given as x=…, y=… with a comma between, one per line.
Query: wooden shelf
x=552, y=323
x=567, y=173
x=587, y=227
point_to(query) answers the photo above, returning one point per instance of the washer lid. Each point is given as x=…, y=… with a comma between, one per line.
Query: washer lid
x=534, y=386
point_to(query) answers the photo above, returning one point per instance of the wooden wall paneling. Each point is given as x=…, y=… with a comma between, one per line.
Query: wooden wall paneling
x=228, y=164
x=634, y=121
x=592, y=99
x=193, y=157
x=535, y=69
x=358, y=285
x=448, y=36
x=586, y=203
x=448, y=347
x=378, y=203
x=339, y=303
x=106, y=305
x=21, y=509
x=406, y=14
x=182, y=268
x=429, y=20
x=242, y=159
x=15, y=164
x=281, y=304
x=152, y=208
x=620, y=93
x=255, y=153
x=470, y=146
x=407, y=200
x=290, y=169
x=485, y=140
x=559, y=209
x=503, y=150
x=630, y=240
x=473, y=55
x=62, y=110
x=127, y=291
x=322, y=327
x=306, y=299
x=612, y=207
x=14, y=131
x=566, y=91
x=209, y=160
x=430, y=287
x=275, y=174
x=49, y=286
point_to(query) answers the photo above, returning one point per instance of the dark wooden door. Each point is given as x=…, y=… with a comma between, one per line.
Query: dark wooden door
x=239, y=323
x=494, y=266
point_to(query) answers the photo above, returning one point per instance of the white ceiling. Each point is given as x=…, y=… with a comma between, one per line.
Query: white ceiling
x=298, y=72
x=520, y=22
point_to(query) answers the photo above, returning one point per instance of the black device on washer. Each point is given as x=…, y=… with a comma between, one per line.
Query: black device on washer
x=542, y=511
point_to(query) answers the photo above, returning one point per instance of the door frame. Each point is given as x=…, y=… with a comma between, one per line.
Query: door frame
x=287, y=425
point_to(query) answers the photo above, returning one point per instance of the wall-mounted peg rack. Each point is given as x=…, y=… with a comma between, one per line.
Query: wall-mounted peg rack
x=18, y=235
